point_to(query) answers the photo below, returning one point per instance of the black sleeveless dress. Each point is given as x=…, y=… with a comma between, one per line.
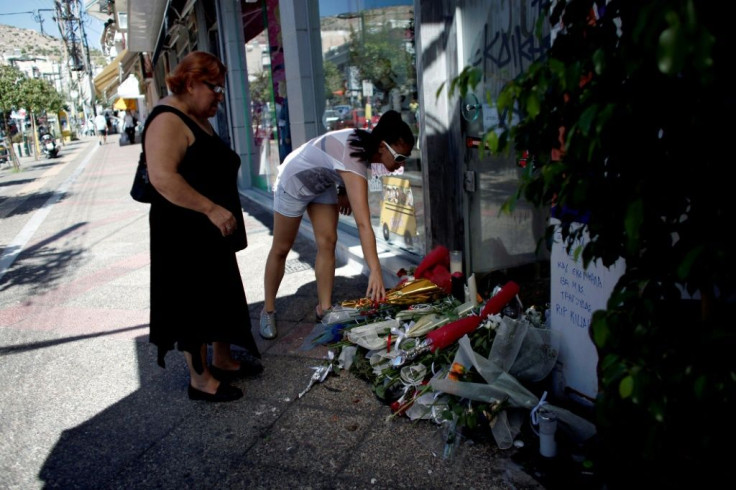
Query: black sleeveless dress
x=197, y=294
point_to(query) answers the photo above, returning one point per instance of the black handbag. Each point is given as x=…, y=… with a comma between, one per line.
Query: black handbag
x=142, y=190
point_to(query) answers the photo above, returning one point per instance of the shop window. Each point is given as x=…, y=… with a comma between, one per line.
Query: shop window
x=369, y=64
x=268, y=109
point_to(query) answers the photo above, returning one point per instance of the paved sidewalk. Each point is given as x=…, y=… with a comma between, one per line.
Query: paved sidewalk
x=84, y=404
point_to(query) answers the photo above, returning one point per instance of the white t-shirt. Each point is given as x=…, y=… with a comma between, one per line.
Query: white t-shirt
x=100, y=122
x=312, y=168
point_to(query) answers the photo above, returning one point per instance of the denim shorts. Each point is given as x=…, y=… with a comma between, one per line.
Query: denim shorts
x=294, y=207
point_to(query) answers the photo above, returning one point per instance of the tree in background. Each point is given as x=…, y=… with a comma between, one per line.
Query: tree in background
x=35, y=95
x=380, y=55
x=334, y=84
x=261, y=99
x=10, y=77
x=38, y=97
x=627, y=121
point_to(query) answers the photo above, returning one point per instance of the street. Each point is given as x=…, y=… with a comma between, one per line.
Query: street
x=84, y=404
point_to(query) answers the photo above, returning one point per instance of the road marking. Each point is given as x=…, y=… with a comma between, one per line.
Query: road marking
x=21, y=239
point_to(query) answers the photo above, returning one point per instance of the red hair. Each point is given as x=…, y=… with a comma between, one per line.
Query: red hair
x=196, y=66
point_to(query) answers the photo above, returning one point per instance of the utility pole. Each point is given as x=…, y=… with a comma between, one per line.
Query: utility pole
x=38, y=18
x=71, y=28
x=85, y=44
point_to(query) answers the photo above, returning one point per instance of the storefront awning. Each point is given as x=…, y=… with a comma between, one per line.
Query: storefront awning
x=145, y=19
x=122, y=104
x=253, y=20
x=108, y=80
x=129, y=89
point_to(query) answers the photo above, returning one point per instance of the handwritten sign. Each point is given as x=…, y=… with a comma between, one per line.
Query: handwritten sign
x=576, y=293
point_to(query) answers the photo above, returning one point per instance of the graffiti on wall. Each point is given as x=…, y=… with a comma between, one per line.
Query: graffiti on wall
x=509, y=43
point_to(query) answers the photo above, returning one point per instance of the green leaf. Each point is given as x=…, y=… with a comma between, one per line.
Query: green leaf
x=700, y=385
x=474, y=77
x=439, y=90
x=603, y=117
x=491, y=139
x=600, y=329
x=505, y=101
x=557, y=69
x=586, y=119
x=691, y=258
x=667, y=55
x=673, y=48
x=533, y=105
x=626, y=387
x=576, y=253
x=599, y=61
x=572, y=75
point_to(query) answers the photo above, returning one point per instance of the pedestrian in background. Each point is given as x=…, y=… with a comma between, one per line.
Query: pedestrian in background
x=196, y=223
x=101, y=127
x=308, y=181
x=129, y=126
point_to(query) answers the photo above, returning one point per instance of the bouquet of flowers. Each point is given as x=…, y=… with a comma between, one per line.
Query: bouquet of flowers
x=431, y=357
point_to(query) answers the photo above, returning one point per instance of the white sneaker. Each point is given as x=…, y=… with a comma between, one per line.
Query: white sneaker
x=268, y=324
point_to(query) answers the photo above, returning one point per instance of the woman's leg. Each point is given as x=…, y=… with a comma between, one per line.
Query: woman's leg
x=205, y=381
x=284, y=233
x=222, y=356
x=324, y=222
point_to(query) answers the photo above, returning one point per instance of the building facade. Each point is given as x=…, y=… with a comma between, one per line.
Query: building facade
x=298, y=68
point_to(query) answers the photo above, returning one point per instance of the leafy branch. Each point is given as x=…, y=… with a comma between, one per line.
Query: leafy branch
x=622, y=121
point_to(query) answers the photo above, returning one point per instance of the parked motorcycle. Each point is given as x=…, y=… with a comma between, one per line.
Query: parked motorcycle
x=48, y=146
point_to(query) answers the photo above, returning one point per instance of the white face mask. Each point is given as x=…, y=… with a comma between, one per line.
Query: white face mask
x=379, y=170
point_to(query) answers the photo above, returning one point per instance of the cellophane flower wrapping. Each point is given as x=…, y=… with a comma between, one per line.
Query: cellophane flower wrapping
x=488, y=366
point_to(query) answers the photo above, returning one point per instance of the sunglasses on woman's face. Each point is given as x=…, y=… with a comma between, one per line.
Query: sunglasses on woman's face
x=217, y=89
x=398, y=157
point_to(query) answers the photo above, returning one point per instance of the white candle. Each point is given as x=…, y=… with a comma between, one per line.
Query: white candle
x=456, y=261
x=472, y=290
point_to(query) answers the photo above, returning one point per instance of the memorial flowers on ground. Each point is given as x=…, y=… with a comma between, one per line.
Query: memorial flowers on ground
x=463, y=365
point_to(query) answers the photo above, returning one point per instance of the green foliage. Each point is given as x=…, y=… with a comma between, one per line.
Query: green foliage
x=380, y=57
x=627, y=118
x=10, y=76
x=333, y=82
x=38, y=95
x=260, y=95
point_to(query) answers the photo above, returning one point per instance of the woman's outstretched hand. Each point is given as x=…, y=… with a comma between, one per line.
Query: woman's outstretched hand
x=376, y=291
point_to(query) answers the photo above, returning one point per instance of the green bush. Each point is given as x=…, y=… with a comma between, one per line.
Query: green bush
x=643, y=92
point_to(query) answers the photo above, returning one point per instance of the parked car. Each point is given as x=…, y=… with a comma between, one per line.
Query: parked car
x=330, y=118
x=4, y=156
x=343, y=111
x=357, y=119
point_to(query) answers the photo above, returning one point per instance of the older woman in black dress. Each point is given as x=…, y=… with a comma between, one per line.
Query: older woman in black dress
x=196, y=222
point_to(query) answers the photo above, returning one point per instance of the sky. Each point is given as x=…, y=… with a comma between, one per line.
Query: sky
x=24, y=13
x=334, y=7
